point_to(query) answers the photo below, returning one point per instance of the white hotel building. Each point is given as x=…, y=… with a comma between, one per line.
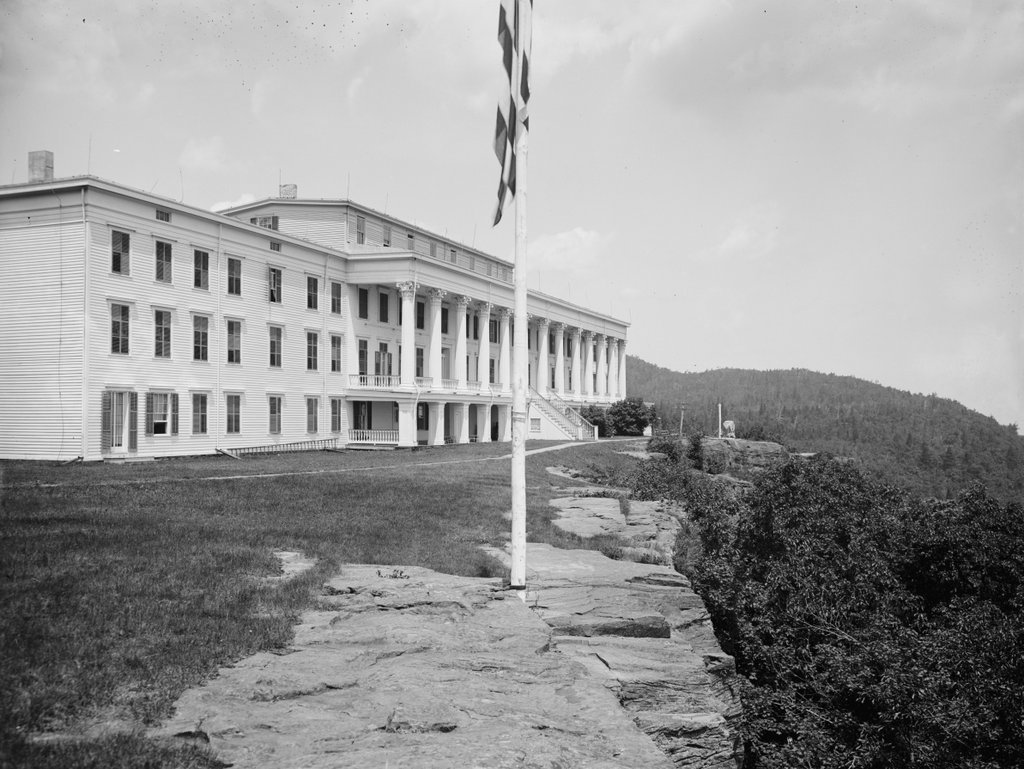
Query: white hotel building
x=135, y=326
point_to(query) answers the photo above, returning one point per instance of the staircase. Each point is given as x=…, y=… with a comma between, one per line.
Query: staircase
x=564, y=416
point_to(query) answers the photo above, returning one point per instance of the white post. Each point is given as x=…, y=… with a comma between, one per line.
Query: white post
x=719, y=420
x=408, y=289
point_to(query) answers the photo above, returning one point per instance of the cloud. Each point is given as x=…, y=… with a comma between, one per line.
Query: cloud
x=355, y=85
x=754, y=234
x=246, y=197
x=570, y=251
x=203, y=154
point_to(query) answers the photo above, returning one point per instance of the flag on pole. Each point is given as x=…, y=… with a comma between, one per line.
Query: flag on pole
x=515, y=24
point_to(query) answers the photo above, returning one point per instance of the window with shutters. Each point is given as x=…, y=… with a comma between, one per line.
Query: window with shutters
x=336, y=408
x=163, y=216
x=421, y=315
x=383, y=305
x=360, y=229
x=492, y=330
x=433, y=249
x=270, y=222
x=161, y=413
x=490, y=370
x=312, y=412
x=312, y=292
x=364, y=303
x=119, y=421
x=234, y=276
x=444, y=320
x=275, y=246
x=335, y=354
x=274, y=407
x=410, y=241
x=275, y=346
x=162, y=333
x=453, y=255
x=234, y=341
x=120, y=247
x=312, y=351
x=163, y=261
x=386, y=237
x=336, y=298
x=419, y=361
x=201, y=270
x=364, y=356
x=199, y=413
x=119, y=328
x=200, y=337
x=233, y=413
x=274, y=284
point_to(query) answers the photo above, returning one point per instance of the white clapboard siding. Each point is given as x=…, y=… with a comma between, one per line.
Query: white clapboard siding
x=41, y=339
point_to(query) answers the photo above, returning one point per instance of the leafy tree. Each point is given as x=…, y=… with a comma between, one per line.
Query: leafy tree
x=629, y=417
x=599, y=418
x=696, y=451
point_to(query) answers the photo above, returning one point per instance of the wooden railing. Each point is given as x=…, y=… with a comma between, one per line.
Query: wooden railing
x=374, y=381
x=373, y=436
x=450, y=384
x=425, y=381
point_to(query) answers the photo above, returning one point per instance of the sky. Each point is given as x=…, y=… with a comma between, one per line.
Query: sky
x=837, y=186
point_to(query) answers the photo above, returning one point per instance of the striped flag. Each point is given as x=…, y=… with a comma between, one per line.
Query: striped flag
x=515, y=22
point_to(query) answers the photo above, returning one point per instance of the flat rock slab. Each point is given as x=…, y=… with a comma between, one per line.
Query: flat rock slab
x=412, y=668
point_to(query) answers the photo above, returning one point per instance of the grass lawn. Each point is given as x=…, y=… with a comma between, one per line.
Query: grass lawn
x=123, y=585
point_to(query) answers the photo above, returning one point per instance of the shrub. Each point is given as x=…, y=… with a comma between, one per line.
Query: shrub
x=630, y=417
x=696, y=451
x=667, y=446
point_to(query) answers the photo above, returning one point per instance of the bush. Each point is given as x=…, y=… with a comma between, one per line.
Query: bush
x=696, y=451
x=629, y=417
x=599, y=418
x=667, y=446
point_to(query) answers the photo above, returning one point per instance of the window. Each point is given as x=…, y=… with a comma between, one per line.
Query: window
x=312, y=411
x=275, y=246
x=336, y=406
x=274, y=284
x=336, y=298
x=362, y=415
x=419, y=361
x=421, y=315
x=446, y=363
x=274, y=406
x=383, y=304
x=120, y=249
x=234, y=276
x=119, y=328
x=490, y=267
x=386, y=237
x=382, y=360
x=534, y=424
x=453, y=257
x=492, y=330
x=163, y=216
x=469, y=323
x=275, y=346
x=202, y=270
x=234, y=341
x=364, y=303
x=162, y=333
x=161, y=413
x=233, y=413
x=490, y=370
x=360, y=229
x=364, y=357
x=270, y=222
x=472, y=262
x=551, y=343
x=163, y=261
x=335, y=353
x=422, y=416
x=198, y=413
x=410, y=241
x=444, y=320
x=312, y=292
x=476, y=326
x=311, y=350
x=200, y=337
x=433, y=249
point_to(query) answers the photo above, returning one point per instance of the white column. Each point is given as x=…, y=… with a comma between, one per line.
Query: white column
x=588, y=363
x=408, y=289
x=559, y=358
x=543, y=377
x=504, y=354
x=460, y=413
x=505, y=424
x=406, y=420
x=622, y=369
x=459, y=358
x=602, y=366
x=483, y=423
x=483, y=357
x=435, y=416
x=434, y=353
x=613, y=369
x=577, y=375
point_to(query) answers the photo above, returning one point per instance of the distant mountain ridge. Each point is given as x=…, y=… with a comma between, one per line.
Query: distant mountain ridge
x=931, y=445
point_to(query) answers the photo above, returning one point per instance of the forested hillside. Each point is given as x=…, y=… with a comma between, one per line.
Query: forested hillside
x=931, y=445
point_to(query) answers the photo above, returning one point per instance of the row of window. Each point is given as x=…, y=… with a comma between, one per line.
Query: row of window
x=120, y=264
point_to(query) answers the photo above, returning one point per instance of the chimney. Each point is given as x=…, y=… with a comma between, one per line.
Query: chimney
x=40, y=166
x=288, y=191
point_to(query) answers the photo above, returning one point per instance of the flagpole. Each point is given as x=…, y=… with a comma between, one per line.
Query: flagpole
x=519, y=364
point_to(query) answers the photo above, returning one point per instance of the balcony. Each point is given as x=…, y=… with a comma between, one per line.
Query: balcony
x=374, y=381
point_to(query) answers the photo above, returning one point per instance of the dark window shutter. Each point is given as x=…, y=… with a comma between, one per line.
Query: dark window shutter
x=273, y=222
x=133, y=421
x=174, y=413
x=149, y=413
x=106, y=421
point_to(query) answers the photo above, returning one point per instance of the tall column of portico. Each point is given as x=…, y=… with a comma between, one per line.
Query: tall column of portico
x=435, y=417
x=483, y=356
x=505, y=351
x=543, y=325
x=559, y=329
x=459, y=362
x=588, y=363
x=434, y=356
x=602, y=365
x=408, y=289
x=577, y=376
x=460, y=412
x=622, y=368
x=483, y=423
x=613, y=368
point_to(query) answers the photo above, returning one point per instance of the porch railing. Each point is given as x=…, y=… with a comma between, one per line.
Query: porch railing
x=374, y=381
x=373, y=436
